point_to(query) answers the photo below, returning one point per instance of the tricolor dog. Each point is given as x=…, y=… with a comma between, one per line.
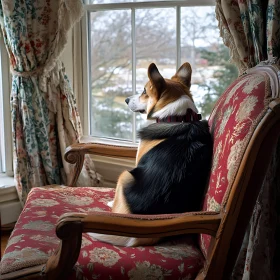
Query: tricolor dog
x=174, y=155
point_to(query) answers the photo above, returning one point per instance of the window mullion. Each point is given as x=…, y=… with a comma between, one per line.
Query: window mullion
x=5, y=88
x=133, y=40
x=178, y=36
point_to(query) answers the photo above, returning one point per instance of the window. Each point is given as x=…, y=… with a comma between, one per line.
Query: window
x=2, y=158
x=5, y=114
x=125, y=36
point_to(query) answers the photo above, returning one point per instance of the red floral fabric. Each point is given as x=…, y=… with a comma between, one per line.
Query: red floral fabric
x=232, y=123
x=33, y=241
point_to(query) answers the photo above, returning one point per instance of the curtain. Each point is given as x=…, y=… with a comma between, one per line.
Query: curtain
x=251, y=29
x=45, y=119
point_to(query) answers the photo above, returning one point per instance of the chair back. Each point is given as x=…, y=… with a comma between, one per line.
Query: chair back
x=239, y=126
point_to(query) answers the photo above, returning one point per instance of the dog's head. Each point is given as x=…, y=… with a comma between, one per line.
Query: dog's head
x=162, y=96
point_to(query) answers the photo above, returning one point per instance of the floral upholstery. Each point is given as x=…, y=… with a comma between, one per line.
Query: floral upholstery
x=232, y=123
x=33, y=241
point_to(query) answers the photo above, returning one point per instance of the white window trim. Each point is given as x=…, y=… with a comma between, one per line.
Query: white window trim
x=6, y=88
x=111, y=168
x=86, y=51
x=147, y=4
x=10, y=207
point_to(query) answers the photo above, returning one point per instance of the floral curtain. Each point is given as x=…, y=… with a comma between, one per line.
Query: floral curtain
x=251, y=30
x=44, y=114
x=242, y=27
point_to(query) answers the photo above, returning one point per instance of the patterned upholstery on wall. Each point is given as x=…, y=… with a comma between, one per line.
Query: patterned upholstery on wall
x=232, y=123
x=34, y=240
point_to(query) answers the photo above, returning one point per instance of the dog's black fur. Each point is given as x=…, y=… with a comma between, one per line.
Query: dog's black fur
x=172, y=176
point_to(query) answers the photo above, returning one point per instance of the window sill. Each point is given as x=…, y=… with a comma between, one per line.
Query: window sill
x=110, y=166
x=106, y=141
x=6, y=181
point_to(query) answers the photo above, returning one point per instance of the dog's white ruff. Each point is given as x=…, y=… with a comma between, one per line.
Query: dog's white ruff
x=110, y=203
x=176, y=108
x=123, y=240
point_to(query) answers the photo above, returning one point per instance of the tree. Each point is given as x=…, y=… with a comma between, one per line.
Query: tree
x=111, y=42
x=197, y=30
x=224, y=76
x=111, y=120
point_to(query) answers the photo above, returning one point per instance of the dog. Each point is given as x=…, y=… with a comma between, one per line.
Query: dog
x=174, y=155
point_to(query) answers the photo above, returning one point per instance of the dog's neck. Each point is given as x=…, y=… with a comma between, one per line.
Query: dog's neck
x=178, y=111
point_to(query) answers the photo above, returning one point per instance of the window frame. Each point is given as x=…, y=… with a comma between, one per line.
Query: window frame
x=86, y=54
x=5, y=85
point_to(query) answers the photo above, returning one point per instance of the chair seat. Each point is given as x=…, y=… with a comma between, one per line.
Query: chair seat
x=34, y=240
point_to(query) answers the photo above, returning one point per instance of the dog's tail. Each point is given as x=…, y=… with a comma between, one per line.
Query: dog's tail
x=123, y=240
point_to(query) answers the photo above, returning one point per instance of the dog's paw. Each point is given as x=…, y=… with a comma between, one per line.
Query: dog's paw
x=110, y=203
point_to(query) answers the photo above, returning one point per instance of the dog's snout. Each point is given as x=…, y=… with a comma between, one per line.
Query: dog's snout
x=127, y=100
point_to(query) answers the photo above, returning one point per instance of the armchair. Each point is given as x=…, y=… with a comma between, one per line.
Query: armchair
x=50, y=241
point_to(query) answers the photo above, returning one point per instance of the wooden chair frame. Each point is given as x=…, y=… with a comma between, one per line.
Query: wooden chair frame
x=227, y=227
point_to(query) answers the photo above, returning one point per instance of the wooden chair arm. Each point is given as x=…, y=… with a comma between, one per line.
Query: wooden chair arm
x=147, y=225
x=71, y=225
x=102, y=150
x=75, y=154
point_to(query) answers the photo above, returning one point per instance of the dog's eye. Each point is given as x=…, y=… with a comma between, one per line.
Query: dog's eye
x=144, y=91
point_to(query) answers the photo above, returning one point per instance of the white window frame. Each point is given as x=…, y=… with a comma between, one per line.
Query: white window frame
x=5, y=84
x=86, y=51
x=10, y=207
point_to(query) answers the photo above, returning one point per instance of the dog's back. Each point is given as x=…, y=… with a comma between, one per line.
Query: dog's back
x=171, y=176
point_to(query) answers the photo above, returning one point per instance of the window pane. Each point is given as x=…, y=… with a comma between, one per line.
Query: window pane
x=202, y=46
x=155, y=42
x=111, y=75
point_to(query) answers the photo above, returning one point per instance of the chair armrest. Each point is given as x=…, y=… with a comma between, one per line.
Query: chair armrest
x=102, y=150
x=71, y=226
x=75, y=154
x=146, y=225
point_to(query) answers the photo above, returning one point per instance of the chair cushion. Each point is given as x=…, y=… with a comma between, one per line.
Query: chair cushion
x=33, y=241
x=232, y=123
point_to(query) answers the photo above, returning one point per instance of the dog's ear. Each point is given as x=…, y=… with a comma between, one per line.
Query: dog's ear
x=184, y=74
x=156, y=79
